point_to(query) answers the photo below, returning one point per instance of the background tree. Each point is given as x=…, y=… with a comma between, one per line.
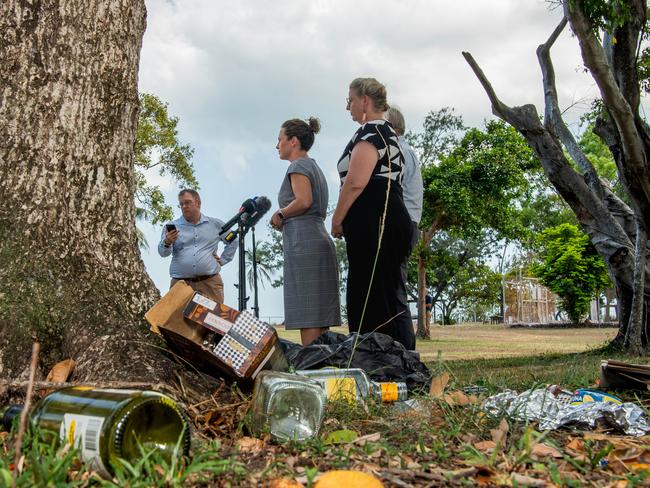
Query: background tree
x=441, y=131
x=471, y=189
x=71, y=275
x=571, y=268
x=448, y=256
x=481, y=292
x=611, y=37
x=157, y=146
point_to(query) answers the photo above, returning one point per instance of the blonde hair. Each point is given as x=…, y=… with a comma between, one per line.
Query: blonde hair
x=373, y=89
x=396, y=119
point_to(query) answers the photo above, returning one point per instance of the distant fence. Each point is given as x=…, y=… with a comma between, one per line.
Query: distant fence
x=273, y=319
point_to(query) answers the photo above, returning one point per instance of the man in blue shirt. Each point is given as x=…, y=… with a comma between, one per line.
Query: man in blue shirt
x=412, y=187
x=193, y=245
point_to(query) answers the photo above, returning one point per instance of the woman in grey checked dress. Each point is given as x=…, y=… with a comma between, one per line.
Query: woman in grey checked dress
x=311, y=288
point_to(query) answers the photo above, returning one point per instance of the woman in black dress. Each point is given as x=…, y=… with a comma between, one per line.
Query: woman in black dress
x=371, y=215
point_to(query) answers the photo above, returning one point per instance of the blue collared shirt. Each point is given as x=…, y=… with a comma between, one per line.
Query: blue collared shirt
x=412, y=186
x=193, y=252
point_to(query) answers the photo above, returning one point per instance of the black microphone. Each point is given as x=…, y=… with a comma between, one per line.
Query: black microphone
x=247, y=207
x=262, y=205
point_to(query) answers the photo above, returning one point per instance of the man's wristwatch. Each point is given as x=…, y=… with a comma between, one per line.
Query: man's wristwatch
x=280, y=214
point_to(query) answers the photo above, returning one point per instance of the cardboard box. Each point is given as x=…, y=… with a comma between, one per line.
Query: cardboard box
x=209, y=314
x=617, y=374
x=241, y=347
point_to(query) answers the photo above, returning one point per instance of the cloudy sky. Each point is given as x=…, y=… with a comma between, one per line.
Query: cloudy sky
x=234, y=71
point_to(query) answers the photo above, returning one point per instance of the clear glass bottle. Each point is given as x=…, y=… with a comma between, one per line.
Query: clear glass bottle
x=353, y=384
x=108, y=424
x=291, y=407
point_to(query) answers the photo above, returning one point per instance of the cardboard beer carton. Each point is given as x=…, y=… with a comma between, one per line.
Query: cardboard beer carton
x=617, y=374
x=240, y=347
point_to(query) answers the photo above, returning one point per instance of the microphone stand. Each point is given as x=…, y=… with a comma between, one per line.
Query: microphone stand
x=256, y=306
x=243, y=299
x=242, y=267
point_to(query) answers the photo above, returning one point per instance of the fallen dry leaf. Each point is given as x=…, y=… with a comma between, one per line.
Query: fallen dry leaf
x=577, y=445
x=291, y=461
x=61, y=371
x=542, y=450
x=367, y=438
x=499, y=434
x=617, y=466
x=438, y=384
x=485, y=446
x=619, y=484
x=457, y=398
x=250, y=444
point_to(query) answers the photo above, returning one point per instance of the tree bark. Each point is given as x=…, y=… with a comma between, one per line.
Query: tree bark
x=608, y=221
x=71, y=275
x=634, y=333
x=423, y=330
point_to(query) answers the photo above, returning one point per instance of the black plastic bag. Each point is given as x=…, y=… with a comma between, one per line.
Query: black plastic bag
x=377, y=354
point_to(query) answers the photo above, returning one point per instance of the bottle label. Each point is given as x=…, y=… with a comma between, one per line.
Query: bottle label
x=82, y=432
x=389, y=392
x=344, y=389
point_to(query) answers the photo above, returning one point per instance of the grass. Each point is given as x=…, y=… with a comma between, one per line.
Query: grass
x=441, y=444
x=474, y=341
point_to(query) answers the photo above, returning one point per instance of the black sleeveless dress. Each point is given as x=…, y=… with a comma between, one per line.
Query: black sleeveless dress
x=374, y=290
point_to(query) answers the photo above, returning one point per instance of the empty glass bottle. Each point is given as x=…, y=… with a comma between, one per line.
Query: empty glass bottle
x=291, y=407
x=353, y=384
x=108, y=424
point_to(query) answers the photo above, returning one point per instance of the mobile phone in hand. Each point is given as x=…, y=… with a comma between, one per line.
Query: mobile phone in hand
x=170, y=227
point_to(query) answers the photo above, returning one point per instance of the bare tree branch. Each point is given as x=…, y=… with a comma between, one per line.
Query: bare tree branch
x=605, y=232
x=553, y=116
x=595, y=59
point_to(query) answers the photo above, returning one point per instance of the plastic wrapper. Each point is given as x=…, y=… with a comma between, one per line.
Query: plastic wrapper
x=553, y=411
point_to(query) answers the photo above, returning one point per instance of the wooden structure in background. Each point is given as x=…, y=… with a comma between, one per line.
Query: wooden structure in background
x=528, y=301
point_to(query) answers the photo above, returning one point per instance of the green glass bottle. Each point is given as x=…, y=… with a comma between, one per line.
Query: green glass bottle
x=109, y=424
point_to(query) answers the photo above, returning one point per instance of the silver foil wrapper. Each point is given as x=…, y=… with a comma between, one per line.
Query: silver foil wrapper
x=553, y=412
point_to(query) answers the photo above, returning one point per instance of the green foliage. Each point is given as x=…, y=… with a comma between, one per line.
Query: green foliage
x=457, y=273
x=44, y=464
x=605, y=15
x=475, y=185
x=157, y=146
x=481, y=290
x=440, y=135
x=571, y=268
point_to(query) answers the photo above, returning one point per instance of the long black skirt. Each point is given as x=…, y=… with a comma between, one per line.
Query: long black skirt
x=375, y=291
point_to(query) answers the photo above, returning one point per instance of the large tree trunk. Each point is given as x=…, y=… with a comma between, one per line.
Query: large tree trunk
x=608, y=221
x=71, y=275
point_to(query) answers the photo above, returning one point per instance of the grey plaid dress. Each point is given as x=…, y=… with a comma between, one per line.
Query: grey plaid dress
x=311, y=286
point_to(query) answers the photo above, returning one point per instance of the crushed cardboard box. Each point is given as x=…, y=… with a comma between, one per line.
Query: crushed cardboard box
x=215, y=338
